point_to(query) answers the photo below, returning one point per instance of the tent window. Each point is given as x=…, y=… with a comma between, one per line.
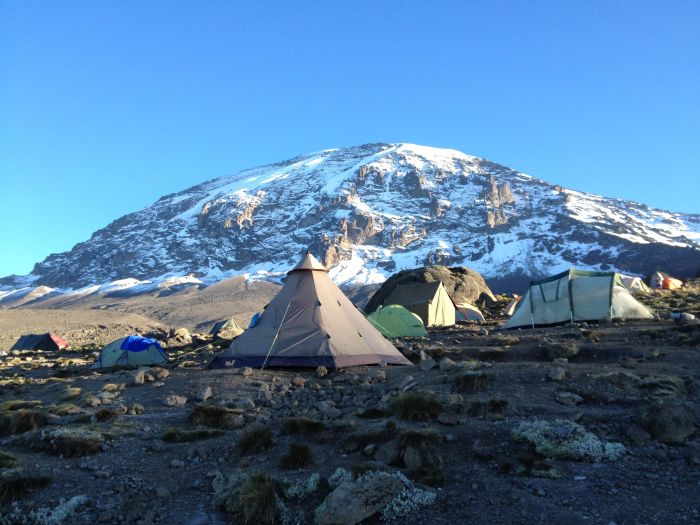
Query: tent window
x=550, y=291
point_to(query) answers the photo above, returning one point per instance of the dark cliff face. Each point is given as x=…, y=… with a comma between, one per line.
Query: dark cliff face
x=371, y=210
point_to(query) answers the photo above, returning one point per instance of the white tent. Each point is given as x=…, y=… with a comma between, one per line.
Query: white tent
x=576, y=295
x=633, y=284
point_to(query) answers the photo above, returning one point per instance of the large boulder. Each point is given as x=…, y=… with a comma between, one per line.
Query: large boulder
x=669, y=421
x=352, y=502
x=463, y=285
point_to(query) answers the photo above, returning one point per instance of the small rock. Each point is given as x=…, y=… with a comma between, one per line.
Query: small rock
x=113, y=387
x=103, y=474
x=446, y=364
x=369, y=449
x=446, y=418
x=138, y=376
x=353, y=502
x=174, y=401
x=298, y=381
x=71, y=393
x=246, y=371
x=160, y=373
x=321, y=371
x=568, y=398
x=426, y=362
x=205, y=393
x=91, y=401
x=637, y=435
x=557, y=373
x=136, y=409
x=177, y=463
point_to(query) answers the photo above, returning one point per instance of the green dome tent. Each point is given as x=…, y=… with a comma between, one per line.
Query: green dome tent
x=133, y=351
x=396, y=321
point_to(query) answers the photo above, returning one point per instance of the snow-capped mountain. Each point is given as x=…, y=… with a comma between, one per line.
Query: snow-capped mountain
x=369, y=211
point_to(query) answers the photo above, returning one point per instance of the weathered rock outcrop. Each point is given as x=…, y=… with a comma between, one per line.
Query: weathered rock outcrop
x=463, y=285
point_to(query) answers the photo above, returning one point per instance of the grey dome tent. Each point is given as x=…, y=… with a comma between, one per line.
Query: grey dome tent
x=310, y=323
x=576, y=295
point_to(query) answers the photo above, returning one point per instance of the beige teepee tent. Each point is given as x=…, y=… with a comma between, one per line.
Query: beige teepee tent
x=576, y=295
x=310, y=322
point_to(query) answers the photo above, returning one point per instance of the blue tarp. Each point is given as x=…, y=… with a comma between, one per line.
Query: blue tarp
x=136, y=343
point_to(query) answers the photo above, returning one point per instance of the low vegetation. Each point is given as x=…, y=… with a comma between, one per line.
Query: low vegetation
x=297, y=456
x=16, y=482
x=68, y=442
x=213, y=416
x=303, y=425
x=179, y=435
x=253, y=440
x=564, y=439
x=416, y=406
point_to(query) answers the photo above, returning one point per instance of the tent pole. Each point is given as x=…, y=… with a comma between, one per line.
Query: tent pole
x=276, y=334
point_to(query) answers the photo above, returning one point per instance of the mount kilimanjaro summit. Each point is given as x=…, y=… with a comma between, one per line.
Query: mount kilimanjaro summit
x=367, y=212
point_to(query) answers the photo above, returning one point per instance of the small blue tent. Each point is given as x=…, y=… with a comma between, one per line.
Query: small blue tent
x=132, y=350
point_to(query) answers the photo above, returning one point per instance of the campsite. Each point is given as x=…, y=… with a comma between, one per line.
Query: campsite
x=566, y=421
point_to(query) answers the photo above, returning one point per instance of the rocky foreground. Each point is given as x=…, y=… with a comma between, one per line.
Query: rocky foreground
x=587, y=423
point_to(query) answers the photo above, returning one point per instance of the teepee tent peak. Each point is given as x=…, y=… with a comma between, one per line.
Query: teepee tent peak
x=309, y=262
x=310, y=323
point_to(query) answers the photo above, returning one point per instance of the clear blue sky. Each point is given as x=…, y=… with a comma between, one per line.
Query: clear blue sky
x=106, y=106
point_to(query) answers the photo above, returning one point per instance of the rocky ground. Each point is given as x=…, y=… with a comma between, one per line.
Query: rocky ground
x=587, y=423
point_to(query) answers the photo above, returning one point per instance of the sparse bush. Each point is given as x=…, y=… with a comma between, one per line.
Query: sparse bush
x=7, y=460
x=69, y=442
x=65, y=409
x=303, y=425
x=301, y=489
x=212, y=416
x=253, y=501
x=565, y=349
x=18, y=404
x=374, y=413
x=177, y=435
x=253, y=440
x=297, y=456
x=416, y=406
x=564, y=439
x=471, y=381
x=20, y=421
x=421, y=455
x=15, y=483
x=44, y=516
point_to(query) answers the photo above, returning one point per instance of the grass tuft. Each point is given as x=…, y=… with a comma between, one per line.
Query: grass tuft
x=178, y=435
x=212, y=416
x=297, y=456
x=303, y=425
x=7, y=460
x=257, y=502
x=253, y=440
x=18, y=404
x=416, y=406
x=15, y=483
